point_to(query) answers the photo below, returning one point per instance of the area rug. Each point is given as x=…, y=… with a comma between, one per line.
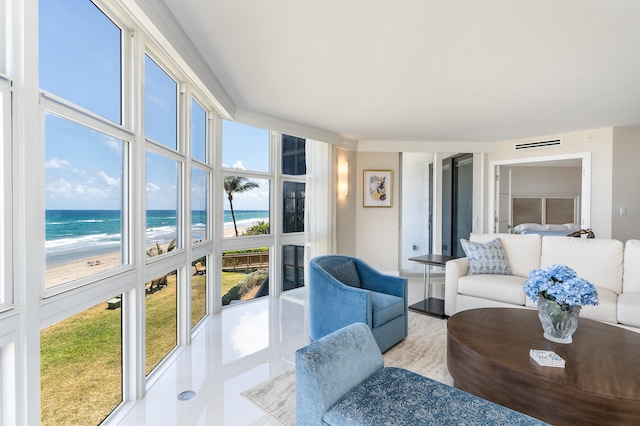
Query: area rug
x=424, y=351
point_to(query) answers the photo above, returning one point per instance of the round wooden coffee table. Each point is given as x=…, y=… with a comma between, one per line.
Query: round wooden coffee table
x=488, y=356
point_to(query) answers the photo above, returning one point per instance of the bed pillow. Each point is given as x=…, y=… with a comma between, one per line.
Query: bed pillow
x=488, y=258
x=536, y=227
x=346, y=274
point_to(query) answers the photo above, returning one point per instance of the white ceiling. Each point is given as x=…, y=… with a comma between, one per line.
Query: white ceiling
x=426, y=70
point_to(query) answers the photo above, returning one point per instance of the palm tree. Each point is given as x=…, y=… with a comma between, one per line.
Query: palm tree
x=237, y=184
x=157, y=250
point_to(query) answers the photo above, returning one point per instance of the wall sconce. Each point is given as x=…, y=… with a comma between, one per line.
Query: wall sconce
x=343, y=178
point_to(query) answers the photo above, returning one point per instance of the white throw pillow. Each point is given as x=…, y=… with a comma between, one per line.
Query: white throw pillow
x=488, y=258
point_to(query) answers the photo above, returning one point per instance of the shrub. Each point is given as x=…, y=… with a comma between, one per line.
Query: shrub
x=260, y=228
x=244, y=286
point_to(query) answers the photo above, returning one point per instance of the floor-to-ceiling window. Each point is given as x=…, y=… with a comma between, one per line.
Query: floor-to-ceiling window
x=201, y=176
x=125, y=217
x=293, y=172
x=248, y=239
x=86, y=146
x=86, y=143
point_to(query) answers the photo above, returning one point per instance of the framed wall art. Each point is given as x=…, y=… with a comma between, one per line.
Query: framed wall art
x=377, y=188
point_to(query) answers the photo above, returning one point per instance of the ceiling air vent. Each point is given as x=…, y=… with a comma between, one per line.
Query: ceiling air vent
x=538, y=144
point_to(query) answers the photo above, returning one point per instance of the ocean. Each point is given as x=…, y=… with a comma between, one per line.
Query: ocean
x=72, y=235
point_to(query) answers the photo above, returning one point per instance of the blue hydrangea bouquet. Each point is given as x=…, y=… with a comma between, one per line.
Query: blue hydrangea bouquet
x=560, y=284
x=560, y=295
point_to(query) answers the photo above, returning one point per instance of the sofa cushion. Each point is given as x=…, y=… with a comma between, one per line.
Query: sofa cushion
x=502, y=288
x=629, y=309
x=385, y=308
x=598, y=261
x=522, y=251
x=488, y=258
x=401, y=397
x=631, y=277
x=606, y=310
x=346, y=274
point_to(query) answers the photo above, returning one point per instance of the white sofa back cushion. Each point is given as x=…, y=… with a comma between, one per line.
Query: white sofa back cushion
x=631, y=279
x=522, y=251
x=597, y=261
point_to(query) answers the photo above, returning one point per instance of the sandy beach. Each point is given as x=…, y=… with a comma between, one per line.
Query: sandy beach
x=72, y=271
x=230, y=232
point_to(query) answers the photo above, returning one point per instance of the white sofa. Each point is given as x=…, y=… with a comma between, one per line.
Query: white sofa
x=613, y=267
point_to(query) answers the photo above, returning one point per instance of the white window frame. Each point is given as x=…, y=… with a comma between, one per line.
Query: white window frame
x=61, y=108
x=289, y=238
x=6, y=212
x=5, y=12
x=67, y=110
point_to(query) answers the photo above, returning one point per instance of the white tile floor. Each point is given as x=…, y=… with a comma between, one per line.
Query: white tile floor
x=235, y=350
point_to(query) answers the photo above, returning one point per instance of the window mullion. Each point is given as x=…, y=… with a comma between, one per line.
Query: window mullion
x=62, y=108
x=6, y=214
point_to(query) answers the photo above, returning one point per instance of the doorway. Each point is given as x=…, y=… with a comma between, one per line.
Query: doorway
x=457, y=202
x=509, y=186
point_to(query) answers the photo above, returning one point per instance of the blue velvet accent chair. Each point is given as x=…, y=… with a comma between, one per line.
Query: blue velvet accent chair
x=344, y=290
x=341, y=380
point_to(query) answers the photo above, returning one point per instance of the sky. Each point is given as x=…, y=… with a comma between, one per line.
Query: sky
x=80, y=61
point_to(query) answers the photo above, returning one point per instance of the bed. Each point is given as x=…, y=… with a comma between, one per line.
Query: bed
x=545, y=214
x=548, y=229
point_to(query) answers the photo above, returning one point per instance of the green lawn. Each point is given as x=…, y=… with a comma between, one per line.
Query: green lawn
x=198, y=298
x=81, y=368
x=230, y=279
x=162, y=323
x=81, y=356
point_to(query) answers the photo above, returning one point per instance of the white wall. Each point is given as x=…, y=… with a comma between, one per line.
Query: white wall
x=546, y=180
x=377, y=228
x=599, y=142
x=414, y=222
x=374, y=233
x=345, y=235
x=626, y=176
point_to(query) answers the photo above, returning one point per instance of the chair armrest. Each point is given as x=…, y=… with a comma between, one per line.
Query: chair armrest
x=328, y=302
x=373, y=280
x=330, y=367
x=454, y=269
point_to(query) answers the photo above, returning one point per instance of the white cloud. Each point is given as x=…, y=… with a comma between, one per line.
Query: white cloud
x=56, y=163
x=113, y=144
x=61, y=188
x=238, y=165
x=64, y=189
x=152, y=187
x=108, y=179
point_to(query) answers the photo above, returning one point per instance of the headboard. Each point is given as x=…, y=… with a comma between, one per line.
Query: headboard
x=545, y=209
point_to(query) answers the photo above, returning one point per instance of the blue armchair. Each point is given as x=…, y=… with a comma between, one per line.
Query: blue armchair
x=341, y=380
x=344, y=290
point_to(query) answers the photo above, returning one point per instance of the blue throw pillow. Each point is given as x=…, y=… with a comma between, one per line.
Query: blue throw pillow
x=486, y=258
x=346, y=274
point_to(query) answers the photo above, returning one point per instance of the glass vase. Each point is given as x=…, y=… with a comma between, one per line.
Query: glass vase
x=558, y=322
